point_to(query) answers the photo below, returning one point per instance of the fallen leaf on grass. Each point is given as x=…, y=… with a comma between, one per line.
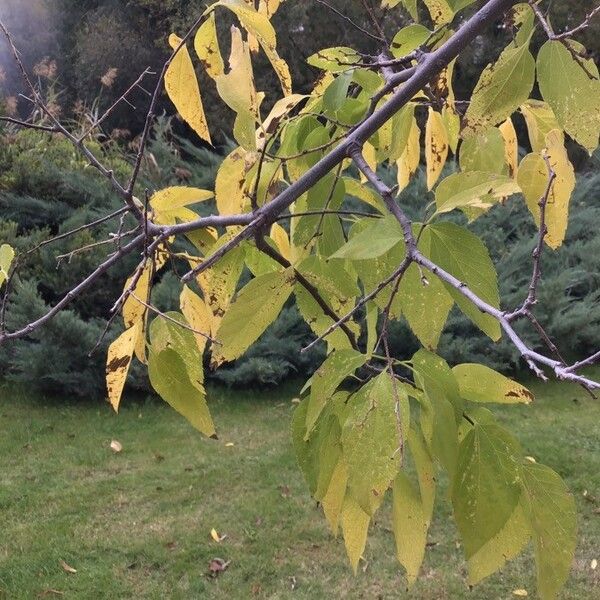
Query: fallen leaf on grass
x=116, y=446
x=215, y=536
x=217, y=565
x=285, y=491
x=229, y=445
x=594, y=565
x=520, y=592
x=67, y=568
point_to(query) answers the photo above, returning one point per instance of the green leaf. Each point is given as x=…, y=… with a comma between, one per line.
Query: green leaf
x=574, y=95
x=334, y=59
x=339, y=365
x=409, y=39
x=333, y=500
x=426, y=305
x=371, y=439
x=504, y=546
x=257, y=305
x=484, y=151
x=374, y=240
x=551, y=511
x=473, y=189
x=425, y=472
x=486, y=488
x=464, y=255
x=336, y=93
x=540, y=120
x=409, y=525
x=479, y=383
x=170, y=378
x=501, y=89
x=7, y=255
x=318, y=451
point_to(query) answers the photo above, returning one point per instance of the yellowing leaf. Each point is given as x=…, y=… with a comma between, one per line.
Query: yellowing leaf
x=355, y=526
x=410, y=526
x=197, y=314
x=533, y=178
x=409, y=160
x=67, y=568
x=504, y=546
x=258, y=25
x=7, y=254
x=257, y=305
x=540, y=120
x=170, y=205
x=436, y=147
x=206, y=44
x=120, y=353
x=511, y=146
x=551, y=512
x=333, y=500
x=334, y=60
x=501, y=89
x=572, y=88
x=215, y=536
x=237, y=90
x=440, y=11
x=520, y=592
x=280, y=236
x=183, y=90
x=231, y=194
x=479, y=383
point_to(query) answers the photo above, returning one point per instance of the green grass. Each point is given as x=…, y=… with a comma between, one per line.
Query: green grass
x=136, y=524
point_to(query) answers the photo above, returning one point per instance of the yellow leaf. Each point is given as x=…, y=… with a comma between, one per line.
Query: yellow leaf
x=409, y=161
x=533, y=180
x=540, y=120
x=355, y=526
x=229, y=445
x=197, y=314
x=230, y=190
x=170, y=205
x=520, y=592
x=183, y=89
x=258, y=26
x=7, y=255
x=436, y=147
x=237, y=90
x=214, y=535
x=511, y=146
x=282, y=241
x=206, y=44
x=67, y=568
x=440, y=11
x=116, y=446
x=119, y=357
x=273, y=120
x=370, y=154
x=333, y=499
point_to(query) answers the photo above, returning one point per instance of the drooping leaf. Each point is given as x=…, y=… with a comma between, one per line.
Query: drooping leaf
x=257, y=305
x=197, y=314
x=327, y=378
x=501, y=89
x=436, y=147
x=511, y=146
x=7, y=255
x=486, y=489
x=355, y=526
x=333, y=500
x=551, y=512
x=540, y=120
x=409, y=525
x=504, y=546
x=120, y=353
x=230, y=190
x=371, y=439
x=408, y=162
x=183, y=90
x=533, y=179
x=484, y=151
x=463, y=254
x=479, y=383
x=574, y=96
x=206, y=44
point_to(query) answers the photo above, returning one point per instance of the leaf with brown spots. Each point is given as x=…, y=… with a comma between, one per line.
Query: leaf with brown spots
x=120, y=353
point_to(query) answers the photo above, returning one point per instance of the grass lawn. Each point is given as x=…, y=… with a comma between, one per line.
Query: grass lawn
x=137, y=524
